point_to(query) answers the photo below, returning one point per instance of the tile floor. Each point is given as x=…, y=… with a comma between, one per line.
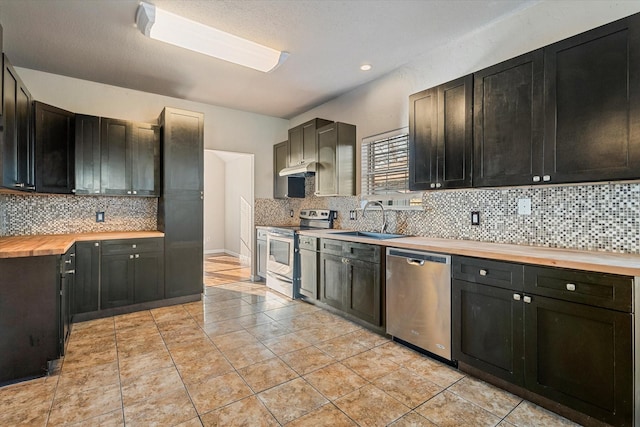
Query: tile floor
x=245, y=356
x=221, y=269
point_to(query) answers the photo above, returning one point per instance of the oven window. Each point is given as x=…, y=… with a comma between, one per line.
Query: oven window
x=279, y=251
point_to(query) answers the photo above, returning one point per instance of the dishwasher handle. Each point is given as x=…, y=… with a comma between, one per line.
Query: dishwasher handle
x=416, y=262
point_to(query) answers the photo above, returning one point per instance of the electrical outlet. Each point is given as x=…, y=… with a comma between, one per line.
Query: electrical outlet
x=353, y=215
x=524, y=206
x=475, y=218
x=99, y=216
x=291, y=213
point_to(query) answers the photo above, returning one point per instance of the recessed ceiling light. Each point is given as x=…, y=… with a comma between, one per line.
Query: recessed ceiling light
x=174, y=29
x=365, y=67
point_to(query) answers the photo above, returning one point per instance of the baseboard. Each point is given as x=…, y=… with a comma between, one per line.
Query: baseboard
x=214, y=251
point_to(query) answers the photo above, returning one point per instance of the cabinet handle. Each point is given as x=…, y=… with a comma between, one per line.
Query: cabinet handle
x=546, y=178
x=73, y=190
x=67, y=261
x=128, y=192
x=19, y=185
x=31, y=187
x=438, y=185
x=134, y=246
x=536, y=178
x=96, y=244
x=137, y=255
x=527, y=299
x=516, y=297
x=70, y=272
x=571, y=287
x=483, y=272
x=130, y=256
x=97, y=191
x=135, y=192
x=432, y=185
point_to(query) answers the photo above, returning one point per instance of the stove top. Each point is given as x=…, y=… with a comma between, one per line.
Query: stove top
x=309, y=219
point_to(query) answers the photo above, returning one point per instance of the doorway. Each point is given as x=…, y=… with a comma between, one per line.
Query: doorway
x=228, y=217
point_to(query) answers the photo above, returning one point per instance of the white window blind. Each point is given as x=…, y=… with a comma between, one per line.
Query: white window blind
x=385, y=169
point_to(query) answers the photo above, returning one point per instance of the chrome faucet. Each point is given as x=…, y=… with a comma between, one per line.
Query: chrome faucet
x=384, y=219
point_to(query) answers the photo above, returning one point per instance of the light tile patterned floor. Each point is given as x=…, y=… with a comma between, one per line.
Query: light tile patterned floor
x=245, y=356
x=222, y=269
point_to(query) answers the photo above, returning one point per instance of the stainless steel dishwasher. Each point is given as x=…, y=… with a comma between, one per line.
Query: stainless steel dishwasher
x=419, y=299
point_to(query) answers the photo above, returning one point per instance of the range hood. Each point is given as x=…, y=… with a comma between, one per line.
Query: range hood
x=299, y=170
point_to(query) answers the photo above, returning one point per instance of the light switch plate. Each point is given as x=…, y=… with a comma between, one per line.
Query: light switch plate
x=99, y=216
x=524, y=206
x=475, y=218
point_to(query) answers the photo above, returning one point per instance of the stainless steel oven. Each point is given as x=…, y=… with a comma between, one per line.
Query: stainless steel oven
x=283, y=262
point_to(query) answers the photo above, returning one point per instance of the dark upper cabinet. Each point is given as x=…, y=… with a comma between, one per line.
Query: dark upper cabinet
x=336, y=160
x=183, y=156
x=130, y=158
x=508, y=122
x=440, y=136
x=302, y=142
x=17, y=152
x=54, y=146
x=592, y=104
x=145, y=160
x=87, y=157
x=280, y=153
x=115, y=136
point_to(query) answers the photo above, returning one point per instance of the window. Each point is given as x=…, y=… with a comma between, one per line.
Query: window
x=385, y=170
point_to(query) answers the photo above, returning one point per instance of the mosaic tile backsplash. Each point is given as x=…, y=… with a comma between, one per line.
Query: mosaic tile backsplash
x=600, y=217
x=60, y=214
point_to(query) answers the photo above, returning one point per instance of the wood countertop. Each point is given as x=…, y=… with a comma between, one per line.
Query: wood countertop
x=57, y=244
x=603, y=262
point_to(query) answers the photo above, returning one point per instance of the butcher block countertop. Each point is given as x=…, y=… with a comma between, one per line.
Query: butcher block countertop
x=603, y=262
x=57, y=244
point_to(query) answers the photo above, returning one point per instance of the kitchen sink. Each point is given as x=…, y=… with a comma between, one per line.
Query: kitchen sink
x=370, y=234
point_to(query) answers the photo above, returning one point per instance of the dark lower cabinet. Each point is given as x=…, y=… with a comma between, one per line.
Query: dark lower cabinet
x=67, y=285
x=309, y=273
x=132, y=271
x=87, y=281
x=577, y=354
x=54, y=136
x=352, y=282
x=29, y=300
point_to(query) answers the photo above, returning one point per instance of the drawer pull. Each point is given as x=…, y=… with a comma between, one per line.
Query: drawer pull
x=130, y=256
x=96, y=244
x=68, y=261
x=137, y=255
x=527, y=299
x=433, y=185
x=483, y=272
x=536, y=178
x=571, y=287
x=516, y=297
x=134, y=246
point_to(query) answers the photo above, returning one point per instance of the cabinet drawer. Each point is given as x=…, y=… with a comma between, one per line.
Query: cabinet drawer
x=361, y=251
x=308, y=243
x=487, y=272
x=154, y=244
x=329, y=246
x=597, y=289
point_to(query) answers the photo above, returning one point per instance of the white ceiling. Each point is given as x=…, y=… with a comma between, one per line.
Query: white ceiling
x=327, y=40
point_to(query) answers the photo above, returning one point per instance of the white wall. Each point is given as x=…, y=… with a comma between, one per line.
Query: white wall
x=382, y=105
x=237, y=185
x=214, y=202
x=224, y=129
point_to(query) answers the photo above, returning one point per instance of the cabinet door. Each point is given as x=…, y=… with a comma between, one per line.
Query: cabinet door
x=455, y=136
x=17, y=147
x=508, y=122
x=54, y=142
x=87, y=158
x=87, y=281
x=145, y=160
x=363, y=290
x=326, y=168
x=116, y=280
x=183, y=151
x=115, y=136
x=295, y=148
x=488, y=329
x=581, y=357
x=423, y=134
x=279, y=163
x=149, y=276
x=332, y=286
x=309, y=273
x=592, y=107
x=262, y=258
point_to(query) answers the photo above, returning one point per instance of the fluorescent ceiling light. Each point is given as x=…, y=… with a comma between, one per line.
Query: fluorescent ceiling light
x=174, y=29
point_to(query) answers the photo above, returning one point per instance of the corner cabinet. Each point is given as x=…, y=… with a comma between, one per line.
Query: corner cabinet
x=336, y=160
x=54, y=136
x=17, y=154
x=508, y=122
x=563, y=334
x=440, y=136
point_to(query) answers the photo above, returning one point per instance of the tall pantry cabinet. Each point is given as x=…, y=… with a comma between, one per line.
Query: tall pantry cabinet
x=180, y=214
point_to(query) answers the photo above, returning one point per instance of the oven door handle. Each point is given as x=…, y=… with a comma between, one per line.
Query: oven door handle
x=279, y=277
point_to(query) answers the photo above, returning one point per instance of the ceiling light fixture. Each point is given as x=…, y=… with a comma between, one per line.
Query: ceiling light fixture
x=174, y=29
x=365, y=67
